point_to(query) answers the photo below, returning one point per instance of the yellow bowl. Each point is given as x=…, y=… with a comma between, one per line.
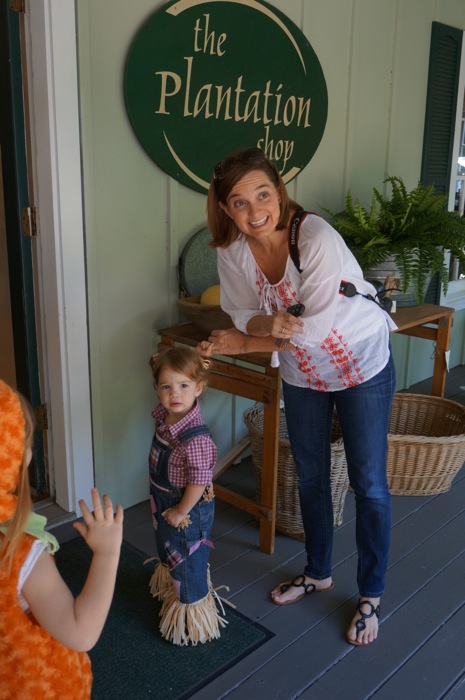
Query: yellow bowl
x=205, y=316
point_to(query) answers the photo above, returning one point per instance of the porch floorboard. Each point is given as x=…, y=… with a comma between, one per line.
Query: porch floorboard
x=419, y=653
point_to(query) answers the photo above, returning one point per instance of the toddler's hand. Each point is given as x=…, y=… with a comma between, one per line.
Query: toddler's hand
x=102, y=530
x=175, y=518
x=205, y=348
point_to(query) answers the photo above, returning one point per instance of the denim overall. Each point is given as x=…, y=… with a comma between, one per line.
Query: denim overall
x=184, y=550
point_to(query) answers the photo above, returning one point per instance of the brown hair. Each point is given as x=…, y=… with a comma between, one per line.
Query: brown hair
x=227, y=173
x=183, y=360
x=12, y=538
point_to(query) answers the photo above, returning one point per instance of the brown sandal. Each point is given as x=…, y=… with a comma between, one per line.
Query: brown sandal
x=299, y=582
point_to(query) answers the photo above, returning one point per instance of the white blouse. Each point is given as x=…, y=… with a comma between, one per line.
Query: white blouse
x=345, y=340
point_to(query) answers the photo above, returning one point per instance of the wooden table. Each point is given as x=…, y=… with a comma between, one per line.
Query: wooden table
x=263, y=384
x=432, y=323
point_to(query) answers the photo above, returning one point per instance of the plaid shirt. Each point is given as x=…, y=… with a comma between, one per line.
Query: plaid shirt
x=192, y=463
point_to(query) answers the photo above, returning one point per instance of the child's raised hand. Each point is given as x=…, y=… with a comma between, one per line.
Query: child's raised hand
x=103, y=531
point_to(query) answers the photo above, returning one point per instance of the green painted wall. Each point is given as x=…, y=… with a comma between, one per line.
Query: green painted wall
x=374, y=54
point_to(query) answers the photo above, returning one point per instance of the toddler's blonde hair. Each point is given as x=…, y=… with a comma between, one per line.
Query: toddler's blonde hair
x=180, y=359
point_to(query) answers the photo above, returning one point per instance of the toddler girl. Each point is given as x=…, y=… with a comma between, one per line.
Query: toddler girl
x=44, y=631
x=181, y=464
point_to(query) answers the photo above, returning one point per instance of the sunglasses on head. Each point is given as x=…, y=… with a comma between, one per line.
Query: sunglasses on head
x=246, y=157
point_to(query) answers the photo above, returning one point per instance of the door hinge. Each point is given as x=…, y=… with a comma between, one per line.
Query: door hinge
x=29, y=221
x=41, y=416
x=18, y=6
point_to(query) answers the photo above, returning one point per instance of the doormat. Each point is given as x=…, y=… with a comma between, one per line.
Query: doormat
x=131, y=659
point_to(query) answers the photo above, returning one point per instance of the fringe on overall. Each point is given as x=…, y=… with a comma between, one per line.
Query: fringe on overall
x=186, y=623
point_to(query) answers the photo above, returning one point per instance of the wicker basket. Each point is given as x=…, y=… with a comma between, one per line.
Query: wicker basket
x=426, y=444
x=288, y=517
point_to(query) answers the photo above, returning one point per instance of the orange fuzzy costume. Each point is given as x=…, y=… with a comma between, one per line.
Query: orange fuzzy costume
x=33, y=665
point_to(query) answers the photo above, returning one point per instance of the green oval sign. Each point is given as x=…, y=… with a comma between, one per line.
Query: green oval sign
x=204, y=77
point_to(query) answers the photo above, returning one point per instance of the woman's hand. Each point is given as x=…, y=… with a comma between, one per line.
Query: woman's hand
x=233, y=342
x=280, y=325
x=285, y=325
x=229, y=342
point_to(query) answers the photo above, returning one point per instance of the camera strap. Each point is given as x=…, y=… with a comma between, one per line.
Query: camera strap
x=294, y=231
x=347, y=289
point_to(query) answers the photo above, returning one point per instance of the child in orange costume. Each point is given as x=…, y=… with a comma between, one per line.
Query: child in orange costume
x=44, y=631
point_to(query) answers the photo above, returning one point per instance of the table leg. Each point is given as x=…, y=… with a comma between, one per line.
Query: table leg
x=269, y=484
x=440, y=365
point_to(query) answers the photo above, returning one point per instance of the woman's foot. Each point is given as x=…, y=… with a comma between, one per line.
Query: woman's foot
x=300, y=586
x=364, y=627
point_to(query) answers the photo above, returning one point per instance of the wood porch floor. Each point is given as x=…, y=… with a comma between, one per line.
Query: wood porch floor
x=420, y=652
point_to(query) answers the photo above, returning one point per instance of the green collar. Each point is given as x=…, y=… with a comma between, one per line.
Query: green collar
x=35, y=526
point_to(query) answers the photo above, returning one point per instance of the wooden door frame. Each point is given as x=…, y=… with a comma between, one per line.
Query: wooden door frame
x=50, y=38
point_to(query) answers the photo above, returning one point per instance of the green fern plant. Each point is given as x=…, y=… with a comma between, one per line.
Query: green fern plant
x=414, y=228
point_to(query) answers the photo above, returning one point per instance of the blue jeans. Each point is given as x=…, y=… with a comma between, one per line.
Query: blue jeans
x=363, y=412
x=185, y=551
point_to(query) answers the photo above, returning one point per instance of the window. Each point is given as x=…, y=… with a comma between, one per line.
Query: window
x=459, y=176
x=457, y=185
x=443, y=163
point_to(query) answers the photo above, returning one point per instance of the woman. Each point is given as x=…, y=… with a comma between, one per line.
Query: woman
x=336, y=355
